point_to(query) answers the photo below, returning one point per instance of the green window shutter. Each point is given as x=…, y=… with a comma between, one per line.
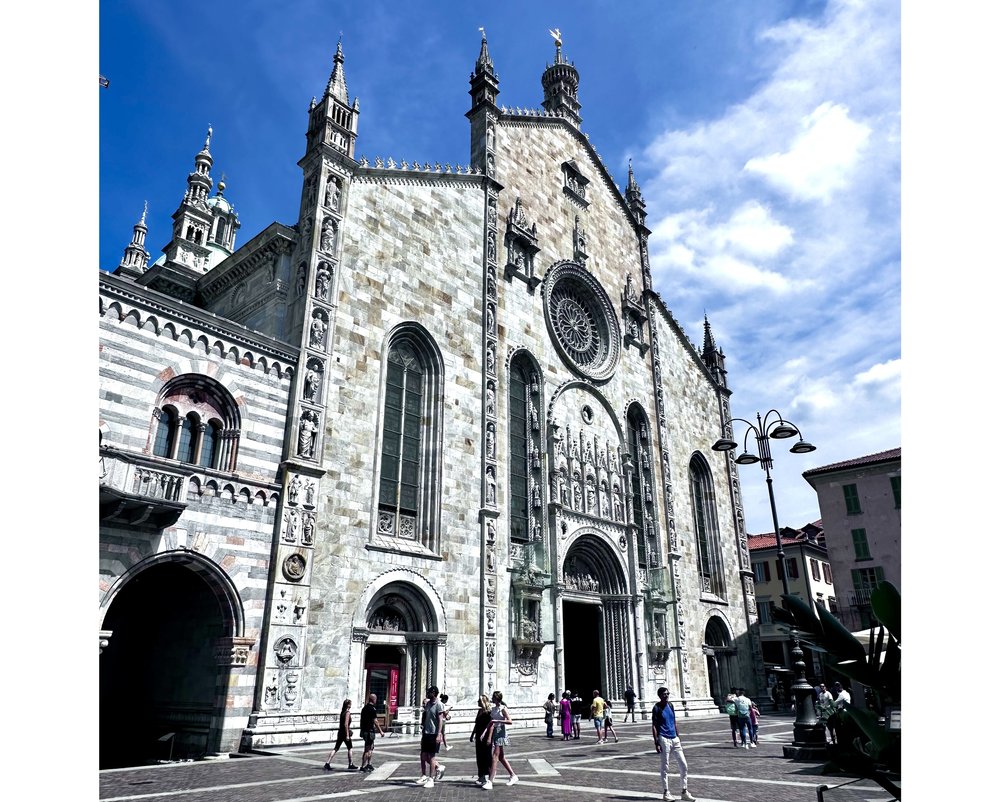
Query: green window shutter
x=851, y=499
x=861, y=550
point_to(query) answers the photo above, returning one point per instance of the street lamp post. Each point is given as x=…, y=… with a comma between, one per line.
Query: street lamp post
x=810, y=739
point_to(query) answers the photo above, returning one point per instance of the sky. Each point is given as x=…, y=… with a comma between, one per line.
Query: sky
x=765, y=137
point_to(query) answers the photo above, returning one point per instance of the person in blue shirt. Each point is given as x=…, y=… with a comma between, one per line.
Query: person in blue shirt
x=668, y=743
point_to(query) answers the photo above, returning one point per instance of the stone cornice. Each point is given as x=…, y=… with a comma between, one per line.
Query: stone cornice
x=170, y=308
x=273, y=241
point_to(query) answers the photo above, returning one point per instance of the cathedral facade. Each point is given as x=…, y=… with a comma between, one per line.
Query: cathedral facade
x=442, y=430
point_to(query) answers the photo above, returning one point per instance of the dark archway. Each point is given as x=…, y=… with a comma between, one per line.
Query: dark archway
x=596, y=615
x=582, y=639
x=720, y=656
x=159, y=673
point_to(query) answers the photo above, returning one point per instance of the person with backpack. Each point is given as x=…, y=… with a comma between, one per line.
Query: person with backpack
x=730, y=708
x=742, y=704
x=668, y=743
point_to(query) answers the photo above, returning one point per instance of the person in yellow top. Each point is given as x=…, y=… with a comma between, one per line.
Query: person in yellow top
x=597, y=713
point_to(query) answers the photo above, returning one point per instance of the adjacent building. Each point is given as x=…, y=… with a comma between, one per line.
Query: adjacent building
x=860, y=502
x=440, y=428
x=809, y=576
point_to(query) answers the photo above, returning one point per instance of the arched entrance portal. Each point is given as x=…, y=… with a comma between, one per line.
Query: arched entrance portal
x=401, y=653
x=159, y=673
x=596, y=609
x=720, y=655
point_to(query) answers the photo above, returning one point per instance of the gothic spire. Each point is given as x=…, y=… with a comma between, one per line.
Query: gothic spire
x=337, y=85
x=136, y=257
x=713, y=356
x=633, y=196
x=484, y=63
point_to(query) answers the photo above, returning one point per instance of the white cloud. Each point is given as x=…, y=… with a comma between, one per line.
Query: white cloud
x=882, y=373
x=820, y=160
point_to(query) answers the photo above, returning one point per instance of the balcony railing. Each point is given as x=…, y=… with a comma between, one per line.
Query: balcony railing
x=856, y=614
x=136, y=490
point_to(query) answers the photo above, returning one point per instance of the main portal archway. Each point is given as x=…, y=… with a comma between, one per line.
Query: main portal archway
x=162, y=690
x=596, y=610
x=402, y=642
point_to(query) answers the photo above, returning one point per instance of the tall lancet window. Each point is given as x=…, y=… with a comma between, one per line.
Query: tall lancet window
x=407, y=500
x=643, y=510
x=706, y=528
x=519, y=436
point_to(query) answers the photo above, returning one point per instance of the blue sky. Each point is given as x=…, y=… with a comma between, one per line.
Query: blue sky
x=765, y=137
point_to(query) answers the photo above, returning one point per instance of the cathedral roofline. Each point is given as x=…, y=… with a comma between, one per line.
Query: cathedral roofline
x=170, y=307
x=244, y=260
x=542, y=118
x=684, y=339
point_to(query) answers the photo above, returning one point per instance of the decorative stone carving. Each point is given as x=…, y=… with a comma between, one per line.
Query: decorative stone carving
x=324, y=276
x=285, y=650
x=311, y=382
x=331, y=197
x=521, y=241
x=317, y=330
x=294, y=567
x=308, y=528
x=308, y=426
x=293, y=489
x=328, y=235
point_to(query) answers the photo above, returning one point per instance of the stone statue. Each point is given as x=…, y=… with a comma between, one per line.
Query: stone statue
x=323, y=281
x=332, y=197
x=308, y=426
x=327, y=241
x=311, y=384
x=317, y=331
x=293, y=489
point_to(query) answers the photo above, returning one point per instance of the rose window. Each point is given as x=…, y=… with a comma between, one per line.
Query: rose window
x=582, y=321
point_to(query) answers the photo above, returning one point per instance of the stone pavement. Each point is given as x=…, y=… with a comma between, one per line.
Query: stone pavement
x=550, y=770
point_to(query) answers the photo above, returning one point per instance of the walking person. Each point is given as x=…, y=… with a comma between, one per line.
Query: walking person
x=731, y=712
x=447, y=718
x=343, y=737
x=629, y=704
x=430, y=739
x=597, y=713
x=668, y=743
x=550, y=711
x=608, y=729
x=824, y=711
x=743, y=717
x=841, y=697
x=577, y=705
x=484, y=749
x=566, y=716
x=369, y=726
x=496, y=734
x=754, y=716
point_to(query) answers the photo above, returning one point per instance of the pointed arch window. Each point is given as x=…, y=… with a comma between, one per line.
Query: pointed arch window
x=410, y=458
x=524, y=447
x=706, y=526
x=641, y=497
x=181, y=432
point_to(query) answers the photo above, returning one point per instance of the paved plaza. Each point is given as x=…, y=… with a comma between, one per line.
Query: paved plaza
x=550, y=770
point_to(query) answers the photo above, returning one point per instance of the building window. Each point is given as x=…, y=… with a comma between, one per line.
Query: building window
x=866, y=580
x=832, y=604
x=897, y=493
x=524, y=444
x=197, y=422
x=409, y=467
x=706, y=527
x=166, y=431
x=793, y=568
x=814, y=568
x=762, y=572
x=861, y=550
x=819, y=602
x=643, y=511
x=851, y=499
x=764, y=611
x=827, y=574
